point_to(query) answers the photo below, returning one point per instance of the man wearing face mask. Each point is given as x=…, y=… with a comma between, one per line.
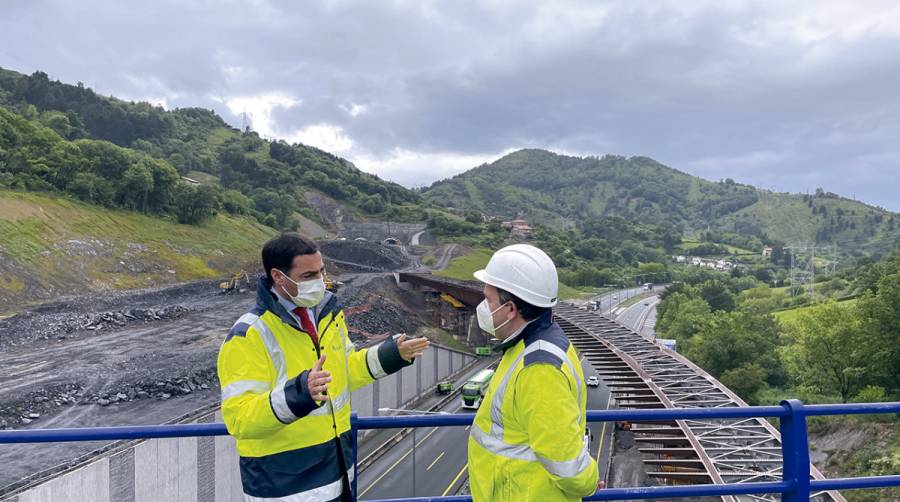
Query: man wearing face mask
x=527, y=441
x=286, y=369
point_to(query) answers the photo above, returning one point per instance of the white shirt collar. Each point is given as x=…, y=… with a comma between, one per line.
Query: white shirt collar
x=290, y=306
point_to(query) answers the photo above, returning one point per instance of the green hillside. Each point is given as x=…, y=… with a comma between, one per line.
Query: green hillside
x=67, y=138
x=553, y=189
x=53, y=245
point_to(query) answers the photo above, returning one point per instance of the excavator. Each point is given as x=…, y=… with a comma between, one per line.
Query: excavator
x=239, y=283
x=331, y=285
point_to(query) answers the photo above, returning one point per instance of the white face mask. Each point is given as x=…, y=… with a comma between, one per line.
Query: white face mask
x=486, y=318
x=309, y=293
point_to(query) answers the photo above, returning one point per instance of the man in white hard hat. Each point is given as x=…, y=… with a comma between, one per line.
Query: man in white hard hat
x=527, y=441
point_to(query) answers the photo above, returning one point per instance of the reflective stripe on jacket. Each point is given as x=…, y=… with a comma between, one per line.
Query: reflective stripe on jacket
x=288, y=444
x=527, y=441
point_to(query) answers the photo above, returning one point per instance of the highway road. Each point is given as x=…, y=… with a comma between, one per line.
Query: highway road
x=394, y=475
x=608, y=301
x=437, y=465
x=641, y=317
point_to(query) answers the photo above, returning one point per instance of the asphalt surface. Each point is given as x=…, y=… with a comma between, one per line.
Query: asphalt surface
x=437, y=465
x=607, y=301
x=641, y=317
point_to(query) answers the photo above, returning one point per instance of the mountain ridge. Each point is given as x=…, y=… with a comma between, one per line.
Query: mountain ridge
x=555, y=189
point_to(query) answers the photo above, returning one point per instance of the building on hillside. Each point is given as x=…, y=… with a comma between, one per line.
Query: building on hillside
x=518, y=228
x=767, y=251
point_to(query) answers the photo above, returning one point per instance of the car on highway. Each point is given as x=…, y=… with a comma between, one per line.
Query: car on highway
x=593, y=381
x=646, y=304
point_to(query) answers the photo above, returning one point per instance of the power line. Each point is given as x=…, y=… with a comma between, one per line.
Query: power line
x=803, y=265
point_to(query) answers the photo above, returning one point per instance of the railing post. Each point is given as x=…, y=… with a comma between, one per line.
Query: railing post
x=795, y=451
x=354, y=432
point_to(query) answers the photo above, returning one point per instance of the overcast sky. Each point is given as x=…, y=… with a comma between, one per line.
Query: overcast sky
x=784, y=95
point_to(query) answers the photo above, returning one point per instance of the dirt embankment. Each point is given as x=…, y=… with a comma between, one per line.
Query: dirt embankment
x=856, y=447
x=365, y=256
x=142, y=357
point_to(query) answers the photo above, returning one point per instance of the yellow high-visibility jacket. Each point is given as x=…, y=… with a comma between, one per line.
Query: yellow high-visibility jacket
x=290, y=447
x=527, y=442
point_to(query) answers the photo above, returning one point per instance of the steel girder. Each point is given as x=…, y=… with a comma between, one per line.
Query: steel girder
x=642, y=374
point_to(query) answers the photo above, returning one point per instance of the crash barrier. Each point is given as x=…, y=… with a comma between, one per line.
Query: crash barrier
x=792, y=415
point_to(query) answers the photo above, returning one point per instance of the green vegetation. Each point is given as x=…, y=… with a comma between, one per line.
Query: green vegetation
x=556, y=190
x=462, y=267
x=878, y=455
x=52, y=244
x=64, y=138
x=791, y=315
x=829, y=351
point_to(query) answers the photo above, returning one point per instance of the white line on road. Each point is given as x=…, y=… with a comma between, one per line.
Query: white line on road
x=389, y=469
x=435, y=461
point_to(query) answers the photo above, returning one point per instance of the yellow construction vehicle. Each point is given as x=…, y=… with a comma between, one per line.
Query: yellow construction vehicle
x=331, y=285
x=239, y=283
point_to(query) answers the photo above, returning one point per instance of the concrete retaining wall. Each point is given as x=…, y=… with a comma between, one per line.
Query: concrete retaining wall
x=206, y=469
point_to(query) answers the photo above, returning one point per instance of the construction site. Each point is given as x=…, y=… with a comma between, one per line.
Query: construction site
x=149, y=356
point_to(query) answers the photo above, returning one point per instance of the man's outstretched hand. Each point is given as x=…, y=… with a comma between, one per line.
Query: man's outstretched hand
x=411, y=348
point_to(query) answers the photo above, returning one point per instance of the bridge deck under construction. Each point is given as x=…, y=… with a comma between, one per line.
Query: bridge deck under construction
x=641, y=374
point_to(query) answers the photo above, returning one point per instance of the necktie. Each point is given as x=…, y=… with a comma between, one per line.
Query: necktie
x=307, y=324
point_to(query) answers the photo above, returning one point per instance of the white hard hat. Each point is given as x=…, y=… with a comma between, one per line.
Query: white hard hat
x=525, y=271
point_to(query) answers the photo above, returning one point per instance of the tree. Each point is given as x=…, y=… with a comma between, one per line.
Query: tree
x=235, y=202
x=880, y=315
x=746, y=381
x=730, y=340
x=196, y=204
x=473, y=217
x=717, y=296
x=683, y=316
x=830, y=351
x=134, y=188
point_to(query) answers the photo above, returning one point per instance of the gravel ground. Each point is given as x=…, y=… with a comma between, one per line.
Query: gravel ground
x=140, y=357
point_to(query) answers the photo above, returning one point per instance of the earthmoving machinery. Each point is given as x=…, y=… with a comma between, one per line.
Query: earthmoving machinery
x=239, y=283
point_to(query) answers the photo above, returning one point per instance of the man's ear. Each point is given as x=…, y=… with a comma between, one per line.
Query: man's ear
x=513, y=309
x=277, y=279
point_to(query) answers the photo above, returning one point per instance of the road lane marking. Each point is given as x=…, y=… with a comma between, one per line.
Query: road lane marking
x=435, y=461
x=603, y=431
x=385, y=473
x=450, y=486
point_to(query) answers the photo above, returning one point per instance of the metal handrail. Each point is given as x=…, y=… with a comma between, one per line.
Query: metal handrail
x=792, y=414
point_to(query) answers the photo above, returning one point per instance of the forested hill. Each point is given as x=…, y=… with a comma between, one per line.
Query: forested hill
x=106, y=151
x=549, y=188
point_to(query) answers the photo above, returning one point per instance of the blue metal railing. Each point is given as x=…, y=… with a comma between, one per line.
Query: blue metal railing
x=795, y=485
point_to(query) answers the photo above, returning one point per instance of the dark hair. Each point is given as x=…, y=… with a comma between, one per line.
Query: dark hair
x=529, y=312
x=280, y=251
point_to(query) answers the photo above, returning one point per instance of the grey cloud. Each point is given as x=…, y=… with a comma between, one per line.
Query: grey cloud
x=717, y=91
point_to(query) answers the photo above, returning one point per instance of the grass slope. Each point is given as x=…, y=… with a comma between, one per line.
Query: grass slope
x=462, y=268
x=52, y=245
x=791, y=315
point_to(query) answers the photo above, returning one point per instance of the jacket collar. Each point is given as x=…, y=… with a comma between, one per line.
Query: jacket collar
x=533, y=326
x=266, y=300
